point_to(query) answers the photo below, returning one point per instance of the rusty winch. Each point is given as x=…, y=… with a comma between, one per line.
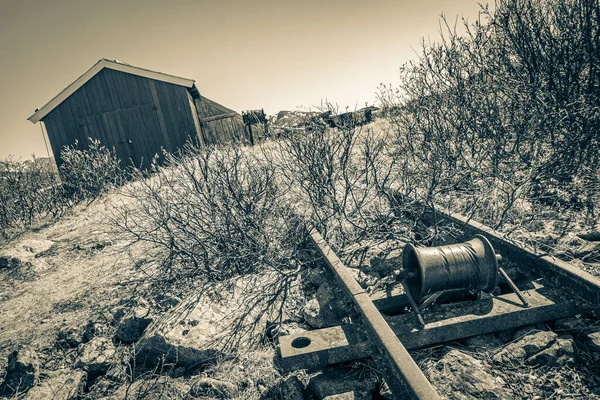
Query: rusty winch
x=429, y=272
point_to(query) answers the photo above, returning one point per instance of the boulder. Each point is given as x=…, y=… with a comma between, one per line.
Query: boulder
x=214, y=388
x=486, y=341
x=340, y=381
x=137, y=307
x=201, y=329
x=460, y=376
x=61, y=385
x=22, y=372
x=525, y=347
x=96, y=357
x=561, y=352
x=292, y=389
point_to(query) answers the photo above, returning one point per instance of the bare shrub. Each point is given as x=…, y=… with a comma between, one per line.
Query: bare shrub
x=504, y=118
x=339, y=178
x=88, y=172
x=30, y=193
x=216, y=214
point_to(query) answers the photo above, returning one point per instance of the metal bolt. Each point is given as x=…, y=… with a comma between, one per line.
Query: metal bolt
x=513, y=287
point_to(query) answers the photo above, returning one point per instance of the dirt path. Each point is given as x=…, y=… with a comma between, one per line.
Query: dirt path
x=71, y=272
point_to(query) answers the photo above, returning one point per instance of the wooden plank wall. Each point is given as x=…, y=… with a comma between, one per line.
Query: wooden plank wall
x=220, y=124
x=136, y=115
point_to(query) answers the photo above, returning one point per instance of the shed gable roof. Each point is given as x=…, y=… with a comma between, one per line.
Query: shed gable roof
x=99, y=66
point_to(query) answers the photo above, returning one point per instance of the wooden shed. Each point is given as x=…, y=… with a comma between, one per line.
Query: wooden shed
x=137, y=111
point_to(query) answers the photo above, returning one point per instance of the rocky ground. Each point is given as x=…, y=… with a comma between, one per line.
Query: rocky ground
x=559, y=359
x=79, y=318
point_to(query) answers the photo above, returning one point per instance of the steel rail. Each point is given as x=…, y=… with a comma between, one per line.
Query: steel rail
x=402, y=365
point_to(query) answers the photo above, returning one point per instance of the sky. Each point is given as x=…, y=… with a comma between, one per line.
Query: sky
x=276, y=55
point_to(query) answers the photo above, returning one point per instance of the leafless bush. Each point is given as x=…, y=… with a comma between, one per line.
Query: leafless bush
x=505, y=116
x=87, y=173
x=30, y=193
x=216, y=214
x=340, y=178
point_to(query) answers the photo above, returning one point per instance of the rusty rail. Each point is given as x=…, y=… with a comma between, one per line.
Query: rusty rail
x=404, y=369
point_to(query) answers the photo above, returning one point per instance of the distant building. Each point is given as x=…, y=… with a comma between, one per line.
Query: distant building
x=137, y=111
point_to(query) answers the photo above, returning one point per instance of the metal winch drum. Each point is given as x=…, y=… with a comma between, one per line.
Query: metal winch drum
x=471, y=265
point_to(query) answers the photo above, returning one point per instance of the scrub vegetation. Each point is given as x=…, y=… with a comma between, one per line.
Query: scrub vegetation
x=498, y=119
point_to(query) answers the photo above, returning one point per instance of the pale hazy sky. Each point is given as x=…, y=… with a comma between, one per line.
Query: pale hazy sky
x=275, y=55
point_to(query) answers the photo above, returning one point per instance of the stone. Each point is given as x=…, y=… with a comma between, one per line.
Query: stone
x=486, y=341
x=348, y=396
x=201, y=329
x=316, y=276
x=90, y=330
x=372, y=255
x=388, y=260
x=592, y=339
x=318, y=316
x=209, y=387
x=593, y=236
x=63, y=384
x=102, y=387
x=460, y=376
x=330, y=297
x=275, y=329
x=292, y=389
x=339, y=381
x=131, y=329
x=525, y=347
x=137, y=307
x=529, y=329
x=39, y=247
x=118, y=315
x=561, y=352
x=325, y=294
x=22, y=372
x=589, y=252
x=506, y=335
x=69, y=337
x=7, y=262
x=96, y=357
x=158, y=388
x=570, y=325
x=364, y=279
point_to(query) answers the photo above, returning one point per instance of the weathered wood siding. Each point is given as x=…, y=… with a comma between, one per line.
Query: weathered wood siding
x=220, y=124
x=135, y=115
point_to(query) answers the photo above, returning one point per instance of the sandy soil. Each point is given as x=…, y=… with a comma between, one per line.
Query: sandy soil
x=71, y=273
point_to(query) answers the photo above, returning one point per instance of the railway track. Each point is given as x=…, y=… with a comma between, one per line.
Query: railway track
x=473, y=294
